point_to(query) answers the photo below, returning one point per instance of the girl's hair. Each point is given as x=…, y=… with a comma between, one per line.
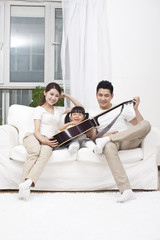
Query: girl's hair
x=77, y=109
x=50, y=86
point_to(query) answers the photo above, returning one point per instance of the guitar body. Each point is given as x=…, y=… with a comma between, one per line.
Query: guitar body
x=64, y=137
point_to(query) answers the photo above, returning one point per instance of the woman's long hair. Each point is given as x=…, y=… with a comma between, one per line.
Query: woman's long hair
x=76, y=109
x=50, y=86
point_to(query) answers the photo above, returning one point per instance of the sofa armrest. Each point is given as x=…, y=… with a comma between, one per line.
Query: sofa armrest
x=151, y=144
x=8, y=137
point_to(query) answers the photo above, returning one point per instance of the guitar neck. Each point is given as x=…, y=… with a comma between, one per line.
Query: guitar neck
x=109, y=110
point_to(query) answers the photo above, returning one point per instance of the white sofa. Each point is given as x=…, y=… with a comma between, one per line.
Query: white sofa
x=83, y=171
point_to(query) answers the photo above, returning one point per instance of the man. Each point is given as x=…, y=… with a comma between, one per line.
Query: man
x=119, y=137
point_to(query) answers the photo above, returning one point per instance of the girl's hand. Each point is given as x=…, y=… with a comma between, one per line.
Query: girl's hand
x=73, y=123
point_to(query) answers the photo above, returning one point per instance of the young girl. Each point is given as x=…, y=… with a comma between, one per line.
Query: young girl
x=76, y=116
x=37, y=142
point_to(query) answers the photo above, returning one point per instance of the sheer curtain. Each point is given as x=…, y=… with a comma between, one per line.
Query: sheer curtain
x=85, y=50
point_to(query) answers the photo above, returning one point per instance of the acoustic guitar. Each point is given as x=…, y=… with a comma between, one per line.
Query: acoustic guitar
x=66, y=136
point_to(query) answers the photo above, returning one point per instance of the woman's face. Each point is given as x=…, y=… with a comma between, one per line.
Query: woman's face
x=52, y=96
x=77, y=117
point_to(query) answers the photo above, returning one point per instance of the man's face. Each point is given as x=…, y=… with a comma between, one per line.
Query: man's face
x=104, y=97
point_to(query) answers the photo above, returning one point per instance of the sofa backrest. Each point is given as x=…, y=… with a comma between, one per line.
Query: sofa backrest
x=21, y=117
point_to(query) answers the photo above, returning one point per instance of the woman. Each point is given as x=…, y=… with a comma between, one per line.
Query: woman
x=38, y=142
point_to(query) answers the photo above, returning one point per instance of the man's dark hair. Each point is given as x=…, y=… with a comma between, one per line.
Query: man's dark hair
x=106, y=85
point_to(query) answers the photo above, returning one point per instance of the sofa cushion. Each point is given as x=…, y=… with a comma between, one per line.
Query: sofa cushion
x=126, y=156
x=19, y=153
x=131, y=155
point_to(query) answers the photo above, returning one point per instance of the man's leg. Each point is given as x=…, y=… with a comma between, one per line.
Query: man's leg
x=118, y=172
x=116, y=167
x=128, y=139
x=132, y=137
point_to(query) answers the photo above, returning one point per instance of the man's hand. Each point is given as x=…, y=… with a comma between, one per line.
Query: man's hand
x=136, y=101
x=109, y=133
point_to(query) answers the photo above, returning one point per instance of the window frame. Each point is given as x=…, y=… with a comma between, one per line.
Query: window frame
x=5, y=84
x=49, y=47
x=1, y=42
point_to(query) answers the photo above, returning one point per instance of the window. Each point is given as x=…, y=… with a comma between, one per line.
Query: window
x=58, y=41
x=27, y=44
x=1, y=40
x=20, y=97
x=30, y=49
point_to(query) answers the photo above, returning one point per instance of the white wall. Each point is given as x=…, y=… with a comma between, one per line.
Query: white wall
x=134, y=32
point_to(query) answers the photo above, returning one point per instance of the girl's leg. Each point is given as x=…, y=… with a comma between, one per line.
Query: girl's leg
x=88, y=144
x=73, y=147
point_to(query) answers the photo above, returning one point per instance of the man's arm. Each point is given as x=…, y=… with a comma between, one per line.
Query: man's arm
x=91, y=133
x=138, y=116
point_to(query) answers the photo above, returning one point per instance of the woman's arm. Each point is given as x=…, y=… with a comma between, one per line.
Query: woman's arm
x=73, y=100
x=42, y=139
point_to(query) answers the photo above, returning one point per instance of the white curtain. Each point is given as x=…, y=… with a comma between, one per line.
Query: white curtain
x=85, y=50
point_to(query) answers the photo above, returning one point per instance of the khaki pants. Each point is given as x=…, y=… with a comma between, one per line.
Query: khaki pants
x=37, y=157
x=128, y=139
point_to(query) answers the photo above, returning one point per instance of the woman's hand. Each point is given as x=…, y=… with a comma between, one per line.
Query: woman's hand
x=63, y=95
x=50, y=142
x=72, y=99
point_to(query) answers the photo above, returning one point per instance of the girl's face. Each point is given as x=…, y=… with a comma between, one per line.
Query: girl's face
x=52, y=96
x=77, y=117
